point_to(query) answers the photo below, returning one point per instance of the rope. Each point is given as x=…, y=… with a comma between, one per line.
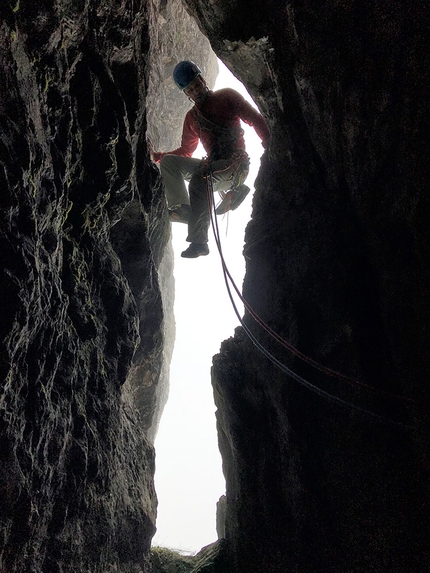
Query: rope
x=263, y=350
x=307, y=359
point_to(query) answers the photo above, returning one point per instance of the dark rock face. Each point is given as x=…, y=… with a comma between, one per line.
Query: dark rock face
x=76, y=467
x=327, y=467
x=86, y=291
x=326, y=472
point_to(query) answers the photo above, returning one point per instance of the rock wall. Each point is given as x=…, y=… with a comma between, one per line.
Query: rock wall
x=326, y=450
x=87, y=289
x=76, y=467
x=174, y=36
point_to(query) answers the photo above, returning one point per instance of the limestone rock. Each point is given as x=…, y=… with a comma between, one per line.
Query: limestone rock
x=86, y=291
x=221, y=511
x=325, y=449
x=175, y=36
x=332, y=466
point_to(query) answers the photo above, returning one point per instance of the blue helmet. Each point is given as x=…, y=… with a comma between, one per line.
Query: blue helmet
x=185, y=73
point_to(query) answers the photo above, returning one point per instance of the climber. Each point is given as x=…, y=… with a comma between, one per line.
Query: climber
x=215, y=121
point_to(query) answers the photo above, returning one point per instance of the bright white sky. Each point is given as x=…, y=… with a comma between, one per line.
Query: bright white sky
x=189, y=479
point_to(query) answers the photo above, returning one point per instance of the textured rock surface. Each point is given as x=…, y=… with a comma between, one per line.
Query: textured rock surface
x=174, y=37
x=86, y=292
x=337, y=264
x=77, y=492
x=209, y=559
x=326, y=481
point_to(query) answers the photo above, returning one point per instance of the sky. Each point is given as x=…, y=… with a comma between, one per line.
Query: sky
x=188, y=477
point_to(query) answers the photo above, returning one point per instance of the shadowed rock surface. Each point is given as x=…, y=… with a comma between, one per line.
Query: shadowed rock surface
x=87, y=290
x=327, y=470
x=326, y=473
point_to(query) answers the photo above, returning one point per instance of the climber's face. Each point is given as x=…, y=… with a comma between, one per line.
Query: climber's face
x=197, y=90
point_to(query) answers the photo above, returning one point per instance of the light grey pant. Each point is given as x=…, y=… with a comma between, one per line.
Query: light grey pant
x=175, y=170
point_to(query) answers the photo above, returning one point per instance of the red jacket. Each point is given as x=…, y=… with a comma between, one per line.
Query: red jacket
x=224, y=108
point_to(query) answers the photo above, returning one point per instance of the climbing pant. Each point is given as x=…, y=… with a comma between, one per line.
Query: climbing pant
x=175, y=170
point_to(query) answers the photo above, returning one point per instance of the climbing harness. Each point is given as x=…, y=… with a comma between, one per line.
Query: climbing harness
x=230, y=199
x=280, y=365
x=226, y=147
x=226, y=136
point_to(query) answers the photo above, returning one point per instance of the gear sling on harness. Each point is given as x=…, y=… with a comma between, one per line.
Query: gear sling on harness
x=226, y=148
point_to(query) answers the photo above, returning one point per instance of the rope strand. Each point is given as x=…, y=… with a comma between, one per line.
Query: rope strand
x=291, y=348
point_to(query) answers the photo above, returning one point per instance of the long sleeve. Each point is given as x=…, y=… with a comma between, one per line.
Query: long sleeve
x=249, y=115
x=189, y=142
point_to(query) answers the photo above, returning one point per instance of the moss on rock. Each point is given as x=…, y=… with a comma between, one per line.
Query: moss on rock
x=167, y=561
x=210, y=559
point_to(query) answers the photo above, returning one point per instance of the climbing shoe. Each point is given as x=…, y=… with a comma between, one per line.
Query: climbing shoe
x=232, y=199
x=195, y=250
x=179, y=214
